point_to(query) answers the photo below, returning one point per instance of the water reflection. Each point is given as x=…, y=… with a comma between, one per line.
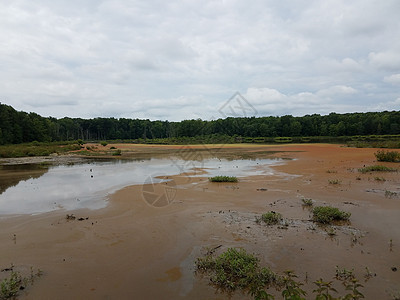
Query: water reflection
x=11, y=175
x=87, y=185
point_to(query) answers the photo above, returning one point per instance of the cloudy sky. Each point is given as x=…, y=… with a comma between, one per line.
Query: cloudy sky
x=185, y=59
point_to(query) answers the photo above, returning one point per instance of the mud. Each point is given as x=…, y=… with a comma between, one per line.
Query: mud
x=132, y=250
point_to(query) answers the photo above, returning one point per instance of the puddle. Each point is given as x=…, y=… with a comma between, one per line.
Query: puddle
x=87, y=185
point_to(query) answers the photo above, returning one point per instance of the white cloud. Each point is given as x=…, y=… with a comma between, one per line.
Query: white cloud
x=176, y=60
x=393, y=79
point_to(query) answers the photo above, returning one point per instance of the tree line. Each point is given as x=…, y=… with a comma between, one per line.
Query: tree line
x=21, y=127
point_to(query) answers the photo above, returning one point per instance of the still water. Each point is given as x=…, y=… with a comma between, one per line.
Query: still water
x=87, y=185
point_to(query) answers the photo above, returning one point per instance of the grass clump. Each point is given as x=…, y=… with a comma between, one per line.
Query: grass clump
x=329, y=214
x=15, y=282
x=334, y=181
x=376, y=168
x=271, y=218
x=117, y=152
x=10, y=286
x=388, y=156
x=235, y=269
x=223, y=179
x=307, y=202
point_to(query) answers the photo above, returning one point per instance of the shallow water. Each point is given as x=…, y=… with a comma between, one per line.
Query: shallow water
x=87, y=185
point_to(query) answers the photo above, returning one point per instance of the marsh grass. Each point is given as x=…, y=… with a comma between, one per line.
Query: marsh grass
x=387, y=156
x=329, y=214
x=376, y=168
x=223, y=179
x=117, y=152
x=236, y=269
x=272, y=218
x=37, y=149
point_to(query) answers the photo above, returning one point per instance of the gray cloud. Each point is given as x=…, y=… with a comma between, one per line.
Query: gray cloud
x=176, y=60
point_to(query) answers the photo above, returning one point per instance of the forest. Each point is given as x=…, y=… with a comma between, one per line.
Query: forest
x=22, y=127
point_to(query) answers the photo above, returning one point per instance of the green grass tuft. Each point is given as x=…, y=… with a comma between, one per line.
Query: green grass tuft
x=223, y=179
x=235, y=269
x=328, y=214
x=376, y=168
x=271, y=218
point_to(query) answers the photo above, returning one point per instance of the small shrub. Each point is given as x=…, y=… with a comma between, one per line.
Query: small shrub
x=103, y=143
x=388, y=156
x=223, y=179
x=117, y=152
x=328, y=214
x=334, y=181
x=112, y=148
x=271, y=218
x=376, y=168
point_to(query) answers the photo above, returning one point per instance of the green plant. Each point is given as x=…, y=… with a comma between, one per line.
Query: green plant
x=223, y=179
x=10, y=286
x=353, y=286
x=379, y=179
x=292, y=288
x=376, y=168
x=307, y=202
x=343, y=274
x=331, y=232
x=103, y=143
x=117, y=152
x=388, y=156
x=390, y=194
x=236, y=269
x=334, y=181
x=271, y=218
x=328, y=214
x=324, y=290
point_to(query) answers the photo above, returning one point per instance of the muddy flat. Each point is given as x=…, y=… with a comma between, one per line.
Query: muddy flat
x=144, y=243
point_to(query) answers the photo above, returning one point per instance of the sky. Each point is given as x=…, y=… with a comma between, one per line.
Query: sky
x=187, y=59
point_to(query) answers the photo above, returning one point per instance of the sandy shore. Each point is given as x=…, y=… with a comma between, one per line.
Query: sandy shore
x=134, y=250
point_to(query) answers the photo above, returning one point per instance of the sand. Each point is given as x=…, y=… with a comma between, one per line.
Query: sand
x=134, y=250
